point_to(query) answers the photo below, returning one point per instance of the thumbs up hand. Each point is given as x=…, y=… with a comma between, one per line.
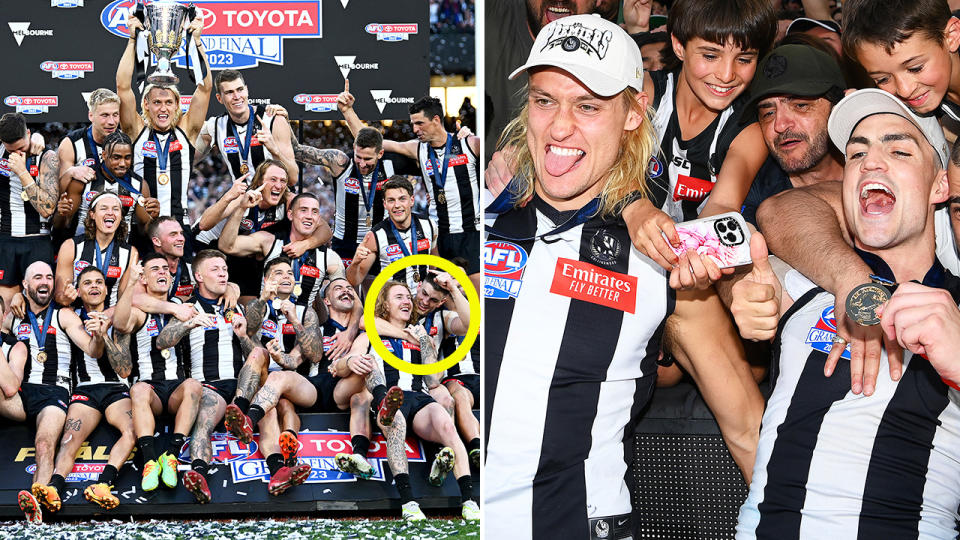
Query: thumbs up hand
x=756, y=297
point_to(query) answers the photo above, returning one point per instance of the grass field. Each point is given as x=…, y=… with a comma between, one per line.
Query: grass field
x=295, y=529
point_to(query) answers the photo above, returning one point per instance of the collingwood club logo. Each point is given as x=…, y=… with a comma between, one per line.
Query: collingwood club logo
x=22, y=29
x=576, y=36
x=382, y=98
x=604, y=248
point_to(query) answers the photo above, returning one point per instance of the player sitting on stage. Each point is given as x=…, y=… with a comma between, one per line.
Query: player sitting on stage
x=161, y=380
x=44, y=367
x=101, y=391
x=407, y=402
x=321, y=385
x=218, y=344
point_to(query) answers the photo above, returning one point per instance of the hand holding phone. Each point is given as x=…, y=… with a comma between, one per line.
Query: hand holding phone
x=724, y=237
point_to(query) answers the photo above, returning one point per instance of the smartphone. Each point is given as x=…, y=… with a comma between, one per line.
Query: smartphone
x=723, y=237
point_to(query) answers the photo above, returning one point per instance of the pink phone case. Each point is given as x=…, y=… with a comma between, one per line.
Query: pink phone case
x=724, y=237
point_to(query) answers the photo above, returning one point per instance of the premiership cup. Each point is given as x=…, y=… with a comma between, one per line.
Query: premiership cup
x=165, y=20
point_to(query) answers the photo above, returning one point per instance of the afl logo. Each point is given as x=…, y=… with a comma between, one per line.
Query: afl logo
x=90, y=195
x=503, y=258
x=656, y=168
x=80, y=265
x=828, y=319
x=23, y=330
x=269, y=326
x=89, y=162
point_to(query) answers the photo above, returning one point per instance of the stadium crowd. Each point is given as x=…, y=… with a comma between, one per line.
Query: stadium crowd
x=740, y=192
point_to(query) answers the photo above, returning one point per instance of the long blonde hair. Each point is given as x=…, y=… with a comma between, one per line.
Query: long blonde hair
x=628, y=173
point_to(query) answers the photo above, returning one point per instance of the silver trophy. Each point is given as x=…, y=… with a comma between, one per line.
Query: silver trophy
x=165, y=20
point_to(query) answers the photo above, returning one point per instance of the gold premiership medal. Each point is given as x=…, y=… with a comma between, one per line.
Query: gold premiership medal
x=42, y=356
x=24, y=196
x=165, y=353
x=228, y=315
x=297, y=290
x=441, y=198
x=863, y=301
x=276, y=303
x=369, y=221
x=142, y=201
x=163, y=178
x=416, y=276
x=244, y=168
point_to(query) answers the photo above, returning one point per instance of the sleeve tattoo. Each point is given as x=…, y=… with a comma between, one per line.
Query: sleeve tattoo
x=172, y=333
x=44, y=192
x=256, y=311
x=118, y=353
x=308, y=336
x=330, y=158
x=429, y=352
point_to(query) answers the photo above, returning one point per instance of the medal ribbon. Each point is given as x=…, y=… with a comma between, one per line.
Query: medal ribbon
x=297, y=263
x=93, y=148
x=124, y=182
x=103, y=262
x=439, y=176
x=413, y=237
x=163, y=154
x=580, y=217
x=397, y=345
x=176, y=281
x=245, y=145
x=41, y=335
x=368, y=199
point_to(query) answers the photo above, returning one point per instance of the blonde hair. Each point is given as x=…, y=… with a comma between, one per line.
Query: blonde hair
x=100, y=96
x=381, y=309
x=628, y=174
x=143, y=104
x=261, y=171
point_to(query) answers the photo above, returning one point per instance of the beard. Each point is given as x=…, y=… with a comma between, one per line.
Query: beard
x=816, y=150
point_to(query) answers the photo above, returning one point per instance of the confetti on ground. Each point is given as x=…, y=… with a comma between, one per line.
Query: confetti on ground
x=293, y=529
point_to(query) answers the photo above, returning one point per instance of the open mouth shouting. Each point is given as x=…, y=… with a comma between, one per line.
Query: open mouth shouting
x=876, y=199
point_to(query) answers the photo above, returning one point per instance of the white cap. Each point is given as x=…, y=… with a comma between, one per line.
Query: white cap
x=803, y=24
x=600, y=54
x=869, y=101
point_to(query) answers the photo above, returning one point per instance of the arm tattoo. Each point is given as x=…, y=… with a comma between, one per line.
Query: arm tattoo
x=45, y=191
x=308, y=336
x=256, y=311
x=330, y=158
x=247, y=345
x=118, y=353
x=375, y=378
x=428, y=352
x=287, y=361
x=172, y=333
x=396, y=446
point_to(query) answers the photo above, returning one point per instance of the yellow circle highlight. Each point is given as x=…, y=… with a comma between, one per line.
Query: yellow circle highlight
x=369, y=319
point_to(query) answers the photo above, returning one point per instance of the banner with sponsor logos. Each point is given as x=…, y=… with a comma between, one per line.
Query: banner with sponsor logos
x=296, y=53
x=239, y=474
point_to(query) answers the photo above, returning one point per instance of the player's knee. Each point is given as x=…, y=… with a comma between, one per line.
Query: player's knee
x=361, y=400
x=192, y=388
x=44, y=446
x=140, y=392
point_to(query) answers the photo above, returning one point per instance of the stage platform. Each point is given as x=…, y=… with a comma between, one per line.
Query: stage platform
x=238, y=478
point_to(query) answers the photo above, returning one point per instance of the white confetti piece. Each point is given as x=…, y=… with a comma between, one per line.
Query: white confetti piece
x=244, y=493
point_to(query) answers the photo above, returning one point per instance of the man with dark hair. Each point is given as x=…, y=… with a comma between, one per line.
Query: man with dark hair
x=450, y=171
x=358, y=180
x=29, y=186
x=401, y=234
x=114, y=174
x=246, y=136
x=792, y=95
x=221, y=356
x=161, y=382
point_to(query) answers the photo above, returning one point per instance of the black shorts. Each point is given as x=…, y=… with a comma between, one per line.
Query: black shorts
x=164, y=389
x=227, y=388
x=37, y=397
x=19, y=253
x=325, y=384
x=100, y=396
x=465, y=244
x=412, y=403
x=470, y=381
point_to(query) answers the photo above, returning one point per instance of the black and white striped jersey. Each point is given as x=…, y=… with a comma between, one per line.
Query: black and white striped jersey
x=84, y=255
x=459, y=209
x=103, y=183
x=149, y=363
x=254, y=219
x=181, y=281
x=215, y=351
x=328, y=331
x=18, y=218
x=90, y=370
x=573, y=323
x=351, y=194
x=229, y=138
x=834, y=464
x=683, y=175
x=437, y=323
x=86, y=150
x=388, y=239
x=310, y=270
x=170, y=190
x=276, y=325
x=406, y=351
x=55, y=370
